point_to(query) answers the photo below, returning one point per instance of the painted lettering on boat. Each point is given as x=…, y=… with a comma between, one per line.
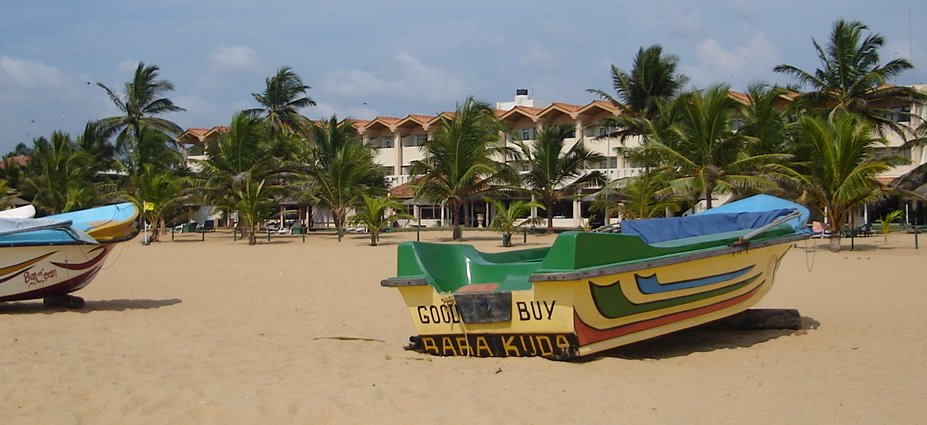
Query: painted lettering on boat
x=438, y=314
x=535, y=310
x=513, y=345
x=39, y=277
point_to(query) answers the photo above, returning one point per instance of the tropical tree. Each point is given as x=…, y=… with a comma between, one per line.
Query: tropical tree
x=648, y=195
x=555, y=171
x=140, y=104
x=244, y=156
x=509, y=219
x=376, y=214
x=283, y=96
x=851, y=78
x=764, y=121
x=342, y=169
x=460, y=160
x=886, y=223
x=163, y=192
x=95, y=142
x=60, y=176
x=6, y=199
x=254, y=202
x=694, y=135
x=845, y=169
x=653, y=79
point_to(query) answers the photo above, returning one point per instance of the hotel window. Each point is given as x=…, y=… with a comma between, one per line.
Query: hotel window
x=901, y=114
x=527, y=133
x=420, y=139
x=386, y=142
x=606, y=130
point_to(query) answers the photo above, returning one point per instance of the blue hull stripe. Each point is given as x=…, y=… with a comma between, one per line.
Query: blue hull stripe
x=652, y=285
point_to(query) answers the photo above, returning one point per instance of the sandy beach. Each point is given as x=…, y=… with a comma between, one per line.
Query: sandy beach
x=218, y=332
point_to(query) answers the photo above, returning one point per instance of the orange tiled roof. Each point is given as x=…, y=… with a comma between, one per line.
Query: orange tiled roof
x=21, y=160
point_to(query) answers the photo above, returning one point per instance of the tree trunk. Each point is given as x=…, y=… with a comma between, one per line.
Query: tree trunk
x=506, y=239
x=373, y=238
x=338, y=218
x=835, y=240
x=550, y=217
x=457, y=232
x=252, y=234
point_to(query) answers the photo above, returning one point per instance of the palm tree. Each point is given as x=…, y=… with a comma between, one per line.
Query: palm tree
x=164, y=191
x=694, y=135
x=648, y=195
x=851, y=78
x=845, y=171
x=60, y=176
x=377, y=213
x=507, y=218
x=95, y=142
x=765, y=121
x=554, y=172
x=653, y=79
x=242, y=156
x=6, y=198
x=281, y=100
x=342, y=169
x=140, y=103
x=254, y=203
x=459, y=162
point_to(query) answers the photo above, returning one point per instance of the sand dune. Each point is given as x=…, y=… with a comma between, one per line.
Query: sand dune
x=290, y=332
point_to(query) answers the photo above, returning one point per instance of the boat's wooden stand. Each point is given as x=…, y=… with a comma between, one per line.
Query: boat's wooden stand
x=760, y=319
x=66, y=301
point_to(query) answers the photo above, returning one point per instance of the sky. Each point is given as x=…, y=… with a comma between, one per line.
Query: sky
x=393, y=58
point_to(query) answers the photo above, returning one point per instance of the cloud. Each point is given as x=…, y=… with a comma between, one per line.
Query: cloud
x=739, y=65
x=16, y=74
x=406, y=78
x=37, y=99
x=234, y=58
x=128, y=66
x=536, y=54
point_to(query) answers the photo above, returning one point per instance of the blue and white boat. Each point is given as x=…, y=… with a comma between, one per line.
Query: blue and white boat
x=51, y=257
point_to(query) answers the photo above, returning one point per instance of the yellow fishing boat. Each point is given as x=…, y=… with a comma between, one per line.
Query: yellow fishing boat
x=590, y=292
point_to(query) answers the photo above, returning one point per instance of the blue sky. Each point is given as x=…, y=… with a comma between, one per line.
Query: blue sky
x=394, y=58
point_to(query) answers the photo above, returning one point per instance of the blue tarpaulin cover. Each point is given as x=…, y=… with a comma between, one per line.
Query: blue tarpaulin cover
x=748, y=213
x=655, y=230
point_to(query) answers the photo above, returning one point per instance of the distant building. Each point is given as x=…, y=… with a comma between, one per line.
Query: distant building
x=398, y=142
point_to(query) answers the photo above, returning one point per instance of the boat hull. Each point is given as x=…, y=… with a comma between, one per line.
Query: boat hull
x=34, y=272
x=579, y=313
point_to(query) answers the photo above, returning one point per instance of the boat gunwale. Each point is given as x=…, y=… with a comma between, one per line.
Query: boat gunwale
x=596, y=271
x=641, y=264
x=127, y=237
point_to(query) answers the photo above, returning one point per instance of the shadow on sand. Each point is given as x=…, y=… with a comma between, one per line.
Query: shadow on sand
x=705, y=338
x=36, y=306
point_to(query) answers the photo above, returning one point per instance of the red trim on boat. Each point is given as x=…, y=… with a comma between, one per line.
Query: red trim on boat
x=479, y=287
x=65, y=287
x=17, y=268
x=588, y=335
x=86, y=265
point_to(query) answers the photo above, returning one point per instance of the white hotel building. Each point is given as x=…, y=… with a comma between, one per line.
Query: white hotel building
x=398, y=142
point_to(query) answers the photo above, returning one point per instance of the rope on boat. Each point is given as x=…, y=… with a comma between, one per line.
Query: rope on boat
x=452, y=304
x=114, y=260
x=814, y=253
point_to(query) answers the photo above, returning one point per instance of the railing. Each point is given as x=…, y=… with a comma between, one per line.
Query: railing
x=394, y=181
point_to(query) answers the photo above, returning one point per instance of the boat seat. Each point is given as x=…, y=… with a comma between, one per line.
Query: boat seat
x=452, y=267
